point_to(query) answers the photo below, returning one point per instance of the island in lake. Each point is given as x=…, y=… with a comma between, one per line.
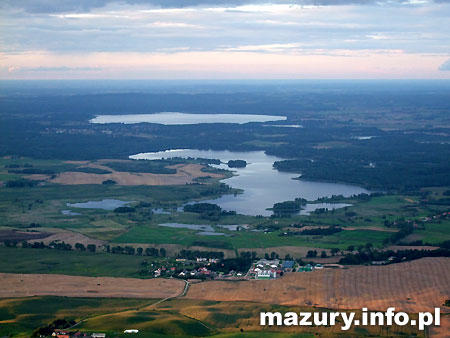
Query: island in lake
x=237, y=163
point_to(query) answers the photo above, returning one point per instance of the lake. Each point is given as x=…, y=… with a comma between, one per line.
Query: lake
x=70, y=213
x=262, y=185
x=205, y=230
x=106, y=204
x=175, y=118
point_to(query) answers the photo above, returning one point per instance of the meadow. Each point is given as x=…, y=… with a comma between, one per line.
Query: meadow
x=174, y=318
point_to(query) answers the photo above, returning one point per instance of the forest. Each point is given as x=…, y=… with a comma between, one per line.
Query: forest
x=344, y=138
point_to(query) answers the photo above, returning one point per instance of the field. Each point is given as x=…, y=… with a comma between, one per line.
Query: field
x=173, y=318
x=249, y=239
x=186, y=173
x=414, y=286
x=26, y=285
x=17, y=260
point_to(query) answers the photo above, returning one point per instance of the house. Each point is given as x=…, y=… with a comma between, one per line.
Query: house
x=131, y=331
x=266, y=274
x=288, y=266
x=378, y=262
x=268, y=262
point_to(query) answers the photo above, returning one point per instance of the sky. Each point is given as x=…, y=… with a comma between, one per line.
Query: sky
x=218, y=39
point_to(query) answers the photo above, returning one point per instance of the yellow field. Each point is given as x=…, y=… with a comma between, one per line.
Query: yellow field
x=24, y=285
x=186, y=173
x=420, y=285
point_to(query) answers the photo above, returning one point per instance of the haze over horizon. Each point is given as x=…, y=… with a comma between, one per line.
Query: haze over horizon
x=216, y=39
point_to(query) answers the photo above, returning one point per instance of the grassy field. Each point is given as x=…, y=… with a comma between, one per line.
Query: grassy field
x=173, y=318
x=248, y=239
x=17, y=260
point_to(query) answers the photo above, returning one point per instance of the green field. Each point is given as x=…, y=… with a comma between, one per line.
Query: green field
x=173, y=318
x=17, y=260
x=248, y=239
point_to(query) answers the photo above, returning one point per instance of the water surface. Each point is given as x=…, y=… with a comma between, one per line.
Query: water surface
x=172, y=118
x=262, y=185
x=205, y=230
x=70, y=213
x=106, y=204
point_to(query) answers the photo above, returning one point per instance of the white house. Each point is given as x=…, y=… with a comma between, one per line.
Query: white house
x=131, y=331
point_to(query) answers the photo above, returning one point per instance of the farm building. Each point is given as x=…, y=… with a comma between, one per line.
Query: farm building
x=266, y=274
x=288, y=266
x=265, y=262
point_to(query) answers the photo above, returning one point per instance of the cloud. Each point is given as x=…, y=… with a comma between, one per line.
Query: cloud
x=82, y=6
x=136, y=31
x=445, y=66
x=60, y=69
x=277, y=47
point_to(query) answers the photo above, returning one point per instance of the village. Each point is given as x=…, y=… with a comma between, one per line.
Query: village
x=260, y=269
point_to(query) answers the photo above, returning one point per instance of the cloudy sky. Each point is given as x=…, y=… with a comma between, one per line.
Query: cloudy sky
x=218, y=39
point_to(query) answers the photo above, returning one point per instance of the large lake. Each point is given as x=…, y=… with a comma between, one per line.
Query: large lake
x=263, y=186
x=175, y=118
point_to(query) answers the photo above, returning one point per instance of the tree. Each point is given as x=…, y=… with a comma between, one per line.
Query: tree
x=80, y=246
x=266, y=256
x=130, y=250
x=311, y=253
x=91, y=247
x=139, y=251
x=323, y=254
x=334, y=251
x=162, y=252
x=152, y=252
x=351, y=248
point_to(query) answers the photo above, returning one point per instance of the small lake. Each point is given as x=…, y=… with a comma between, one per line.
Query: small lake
x=106, y=204
x=70, y=213
x=262, y=185
x=175, y=118
x=205, y=230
